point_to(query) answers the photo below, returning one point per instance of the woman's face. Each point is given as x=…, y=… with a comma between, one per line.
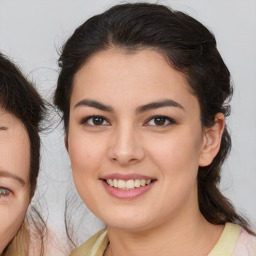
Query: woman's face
x=14, y=176
x=135, y=139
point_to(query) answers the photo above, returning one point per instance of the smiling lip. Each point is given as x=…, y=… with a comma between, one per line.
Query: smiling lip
x=126, y=177
x=140, y=185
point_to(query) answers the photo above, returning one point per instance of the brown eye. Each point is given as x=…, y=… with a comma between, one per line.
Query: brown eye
x=97, y=120
x=159, y=121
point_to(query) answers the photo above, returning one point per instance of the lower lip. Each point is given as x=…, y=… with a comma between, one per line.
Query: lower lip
x=127, y=194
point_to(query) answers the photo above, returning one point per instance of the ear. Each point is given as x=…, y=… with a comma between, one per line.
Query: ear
x=212, y=140
x=66, y=142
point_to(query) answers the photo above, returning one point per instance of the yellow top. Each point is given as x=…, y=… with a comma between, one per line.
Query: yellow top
x=97, y=244
x=227, y=241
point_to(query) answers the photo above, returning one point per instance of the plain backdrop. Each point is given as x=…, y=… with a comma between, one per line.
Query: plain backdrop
x=32, y=33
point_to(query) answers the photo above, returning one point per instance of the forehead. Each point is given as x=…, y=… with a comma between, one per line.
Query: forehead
x=14, y=146
x=143, y=74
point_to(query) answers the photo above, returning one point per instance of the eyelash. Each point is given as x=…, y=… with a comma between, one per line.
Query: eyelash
x=103, y=121
x=4, y=192
x=162, y=118
x=94, y=117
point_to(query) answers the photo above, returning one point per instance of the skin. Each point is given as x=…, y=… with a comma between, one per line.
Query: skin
x=131, y=141
x=14, y=176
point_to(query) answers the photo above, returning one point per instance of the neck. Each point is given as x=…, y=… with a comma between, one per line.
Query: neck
x=195, y=236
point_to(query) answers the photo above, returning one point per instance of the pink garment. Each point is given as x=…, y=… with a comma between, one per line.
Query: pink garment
x=245, y=245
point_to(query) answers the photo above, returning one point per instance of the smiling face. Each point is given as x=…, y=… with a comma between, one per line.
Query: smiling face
x=14, y=176
x=135, y=139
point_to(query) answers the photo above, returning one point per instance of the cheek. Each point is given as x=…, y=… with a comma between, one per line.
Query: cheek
x=176, y=160
x=175, y=151
x=87, y=155
x=86, y=150
x=12, y=216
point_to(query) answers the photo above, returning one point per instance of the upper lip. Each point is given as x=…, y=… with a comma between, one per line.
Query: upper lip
x=126, y=177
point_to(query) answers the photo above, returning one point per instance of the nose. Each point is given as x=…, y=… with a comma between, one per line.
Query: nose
x=125, y=146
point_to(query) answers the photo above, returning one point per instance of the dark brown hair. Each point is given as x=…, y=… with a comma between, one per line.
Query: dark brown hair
x=18, y=97
x=189, y=48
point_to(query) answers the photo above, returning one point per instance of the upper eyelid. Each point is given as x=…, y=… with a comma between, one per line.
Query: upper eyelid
x=85, y=119
x=170, y=119
x=161, y=116
x=1, y=187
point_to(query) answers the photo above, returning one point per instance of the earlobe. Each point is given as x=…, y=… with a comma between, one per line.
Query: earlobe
x=212, y=140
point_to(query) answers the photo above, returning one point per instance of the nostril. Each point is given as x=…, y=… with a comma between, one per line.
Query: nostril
x=133, y=160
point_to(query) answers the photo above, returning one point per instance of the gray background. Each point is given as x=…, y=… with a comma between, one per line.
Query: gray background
x=32, y=33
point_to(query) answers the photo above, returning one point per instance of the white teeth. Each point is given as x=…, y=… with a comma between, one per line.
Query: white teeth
x=121, y=184
x=110, y=182
x=129, y=184
x=137, y=183
x=115, y=183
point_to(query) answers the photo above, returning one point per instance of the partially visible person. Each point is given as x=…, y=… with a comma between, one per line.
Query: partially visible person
x=144, y=94
x=21, y=111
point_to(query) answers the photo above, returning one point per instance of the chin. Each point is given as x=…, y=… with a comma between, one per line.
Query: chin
x=129, y=223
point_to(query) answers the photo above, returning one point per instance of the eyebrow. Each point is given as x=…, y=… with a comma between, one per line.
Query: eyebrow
x=159, y=104
x=12, y=176
x=143, y=108
x=94, y=104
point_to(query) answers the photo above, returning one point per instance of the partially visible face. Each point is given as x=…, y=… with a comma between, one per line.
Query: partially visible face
x=14, y=176
x=135, y=139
